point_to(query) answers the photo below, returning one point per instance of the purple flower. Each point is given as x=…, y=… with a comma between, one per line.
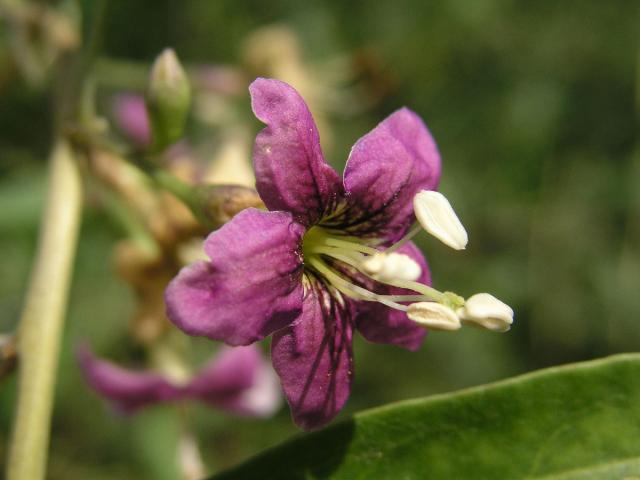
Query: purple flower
x=329, y=257
x=237, y=380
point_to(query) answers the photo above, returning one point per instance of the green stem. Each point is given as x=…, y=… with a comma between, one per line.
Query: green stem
x=41, y=324
x=173, y=184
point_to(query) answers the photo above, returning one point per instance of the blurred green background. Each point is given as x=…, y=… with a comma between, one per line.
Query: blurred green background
x=534, y=111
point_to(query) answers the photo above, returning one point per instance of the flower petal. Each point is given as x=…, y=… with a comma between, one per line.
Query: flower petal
x=291, y=173
x=126, y=390
x=385, y=169
x=238, y=380
x=314, y=359
x=380, y=324
x=250, y=288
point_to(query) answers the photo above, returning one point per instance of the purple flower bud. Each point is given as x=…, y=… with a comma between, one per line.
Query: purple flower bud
x=130, y=115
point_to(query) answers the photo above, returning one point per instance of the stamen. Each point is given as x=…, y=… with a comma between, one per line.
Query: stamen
x=412, y=233
x=390, y=266
x=486, y=311
x=408, y=298
x=436, y=215
x=348, y=288
x=429, y=292
x=434, y=316
x=351, y=258
x=358, y=247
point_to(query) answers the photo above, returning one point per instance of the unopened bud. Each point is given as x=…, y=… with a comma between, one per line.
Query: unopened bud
x=435, y=214
x=217, y=204
x=391, y=266
x=434, y=316
x=131, y=118
x=486, y=311
x=168, y=98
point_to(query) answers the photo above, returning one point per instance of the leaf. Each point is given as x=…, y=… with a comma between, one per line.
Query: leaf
x=575, y=422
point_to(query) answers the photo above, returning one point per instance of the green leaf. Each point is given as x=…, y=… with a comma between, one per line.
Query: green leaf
x=574, y=422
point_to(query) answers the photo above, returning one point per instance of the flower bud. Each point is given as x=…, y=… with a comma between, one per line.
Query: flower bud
x=131, y=118
x=217, y=204
x=391, y=266
x=168, y=97
x=486, y=311
x=434, y=316
x=435, y=214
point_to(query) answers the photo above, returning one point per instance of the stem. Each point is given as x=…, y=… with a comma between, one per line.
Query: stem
x=41, y=324
x=177, y=187
x=190, y=462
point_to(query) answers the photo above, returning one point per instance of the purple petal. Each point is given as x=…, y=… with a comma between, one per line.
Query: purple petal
x=250, y=288
x=291, y=173
x=380, y=324
x=126, y=390
x=238, y=380
x=314, y=359
x=386, y=168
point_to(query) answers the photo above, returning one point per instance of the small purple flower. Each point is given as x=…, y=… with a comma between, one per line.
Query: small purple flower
x=331, y=256
x=237, y=380
x=130, y=115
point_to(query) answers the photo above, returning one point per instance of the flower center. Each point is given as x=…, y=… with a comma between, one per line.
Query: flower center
x=322, y=248
x=344, y=263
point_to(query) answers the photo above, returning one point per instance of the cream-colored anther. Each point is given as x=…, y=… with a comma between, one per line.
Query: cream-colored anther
x=435, y=214
x=434, y=316
x=392, y=266
x=486, y=311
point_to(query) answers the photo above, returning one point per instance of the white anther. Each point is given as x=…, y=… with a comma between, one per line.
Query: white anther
x=434, y=316
x=391, y=266
x=435, y=214
x=486, y=311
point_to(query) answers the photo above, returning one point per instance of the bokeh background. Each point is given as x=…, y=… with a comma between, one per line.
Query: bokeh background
x=534, y=108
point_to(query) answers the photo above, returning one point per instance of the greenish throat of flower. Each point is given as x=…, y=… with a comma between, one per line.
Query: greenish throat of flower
x=322, y=248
